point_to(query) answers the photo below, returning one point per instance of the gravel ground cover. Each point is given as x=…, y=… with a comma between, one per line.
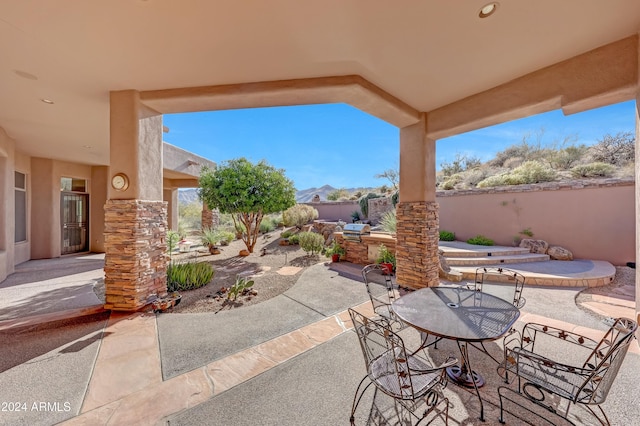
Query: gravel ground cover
x=273, y=267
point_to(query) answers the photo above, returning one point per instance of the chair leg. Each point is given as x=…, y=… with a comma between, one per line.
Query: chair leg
x=356, y=399
x=604, y=422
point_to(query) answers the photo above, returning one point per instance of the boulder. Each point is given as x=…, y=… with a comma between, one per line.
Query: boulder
x=559, y=253
x=535, y=246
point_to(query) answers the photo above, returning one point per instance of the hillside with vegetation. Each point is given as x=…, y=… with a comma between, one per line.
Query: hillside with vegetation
x=531, y=162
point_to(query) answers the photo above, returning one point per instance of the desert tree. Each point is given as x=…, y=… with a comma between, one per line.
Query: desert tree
x=247, y=191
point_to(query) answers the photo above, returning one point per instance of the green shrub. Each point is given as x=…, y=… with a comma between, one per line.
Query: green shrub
x=267, y=225
x=535, y=172
x=226, y=237
x=188, y=276
x=311, y=242
x=480, y=240
x=528, y=172
x=447, y=236
x=299, y=215
x=386, y=256
x=294, y=239
x=388, y=221
x=172, y=241
x=451, y=182
x=210, y=237
x=286, y=234
x=597, y=169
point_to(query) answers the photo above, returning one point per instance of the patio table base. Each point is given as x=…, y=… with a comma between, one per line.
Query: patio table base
x=461, y=377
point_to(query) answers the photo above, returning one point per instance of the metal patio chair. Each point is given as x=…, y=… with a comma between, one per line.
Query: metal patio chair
x=538, y=358
x=409, y=379
x=503, y=274
x=382, y=303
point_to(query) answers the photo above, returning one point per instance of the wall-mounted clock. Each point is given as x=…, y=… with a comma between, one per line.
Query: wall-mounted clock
x=120, y=182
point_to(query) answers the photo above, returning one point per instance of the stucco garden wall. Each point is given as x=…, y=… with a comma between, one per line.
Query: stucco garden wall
x=336, y=210
x=595, y=219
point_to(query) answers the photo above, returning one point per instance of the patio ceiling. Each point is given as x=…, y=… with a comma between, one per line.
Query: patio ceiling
x=427, y=54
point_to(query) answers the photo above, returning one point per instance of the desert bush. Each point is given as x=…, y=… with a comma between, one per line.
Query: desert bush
x=311, y=242
x=460, y=163
x=513, y=162
x=226, y=237
x=535, y=172
x=480, y=240
x=447, y=236
x=528, y=172
x=267, y=225
x=450, y=183
x=338, y=194
x=388, y=221
x=566, y=158
x=188, y=276
x=294, y=239
x=597, y=169
x=299, y=215
x=617, y=150
x=499, y=180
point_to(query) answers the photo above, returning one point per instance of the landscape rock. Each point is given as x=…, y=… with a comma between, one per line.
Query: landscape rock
x=559, y=253
x=535, y=246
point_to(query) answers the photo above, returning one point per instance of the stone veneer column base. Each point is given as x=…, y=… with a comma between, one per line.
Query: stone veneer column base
x=417, y=234
x=135, y=253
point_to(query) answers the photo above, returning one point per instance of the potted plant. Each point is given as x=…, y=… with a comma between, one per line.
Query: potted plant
x=210, y=239
x=387, y=259
x=335, y=251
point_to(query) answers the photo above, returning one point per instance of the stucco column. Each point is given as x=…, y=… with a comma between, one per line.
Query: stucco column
x=417, y=211
x=171, y=197
x=135, y=217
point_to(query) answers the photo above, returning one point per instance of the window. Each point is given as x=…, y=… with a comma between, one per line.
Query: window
x=20, y=207
x=73, y=185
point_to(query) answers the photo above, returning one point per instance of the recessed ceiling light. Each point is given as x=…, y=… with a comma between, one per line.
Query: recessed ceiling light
x=87, y=146
x=47, y=101
x=25, y=74
x=488, y=9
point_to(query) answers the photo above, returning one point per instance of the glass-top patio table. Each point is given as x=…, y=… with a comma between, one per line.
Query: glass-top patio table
x=466, y=316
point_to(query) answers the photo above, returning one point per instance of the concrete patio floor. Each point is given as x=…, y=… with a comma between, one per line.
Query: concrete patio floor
x=291, y=360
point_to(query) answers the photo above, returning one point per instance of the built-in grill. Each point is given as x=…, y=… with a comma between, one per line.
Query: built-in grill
x=354, y=231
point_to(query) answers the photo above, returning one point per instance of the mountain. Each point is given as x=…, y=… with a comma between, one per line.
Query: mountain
x=188, y=196
x=306, y=195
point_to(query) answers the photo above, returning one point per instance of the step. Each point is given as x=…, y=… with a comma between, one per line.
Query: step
x=575, y=273
x=497, y=259
x=462, y=249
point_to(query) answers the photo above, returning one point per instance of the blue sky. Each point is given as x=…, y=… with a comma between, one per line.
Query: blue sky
x=342, y=146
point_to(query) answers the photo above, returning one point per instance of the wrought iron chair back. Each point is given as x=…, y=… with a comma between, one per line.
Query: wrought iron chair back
x=382, y=303
x=403, y=376
x=587, y=382
x=503, y=273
